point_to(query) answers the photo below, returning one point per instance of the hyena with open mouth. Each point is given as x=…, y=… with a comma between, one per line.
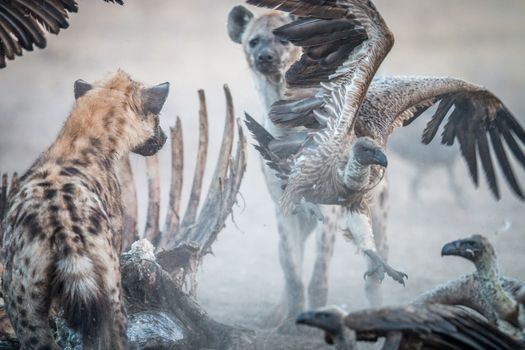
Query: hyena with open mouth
x=63, y=227
x=269, y=57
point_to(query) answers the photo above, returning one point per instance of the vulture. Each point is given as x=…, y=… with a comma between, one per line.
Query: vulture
x=23, y=23
x=338, y=158
x=498, y=298
x=426, y=326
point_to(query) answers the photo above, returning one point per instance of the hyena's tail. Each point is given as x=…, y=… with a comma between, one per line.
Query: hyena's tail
x=79, y=285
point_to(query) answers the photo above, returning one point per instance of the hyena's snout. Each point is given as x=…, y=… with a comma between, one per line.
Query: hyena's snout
x=153, y=101
x=153, y=144
x=267, y=61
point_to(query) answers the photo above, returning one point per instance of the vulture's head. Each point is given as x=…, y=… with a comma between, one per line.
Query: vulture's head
x=475, y=248
x=329, y=319
x=369, y=152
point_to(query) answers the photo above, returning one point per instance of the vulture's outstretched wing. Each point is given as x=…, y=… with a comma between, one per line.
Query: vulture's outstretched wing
x=22, y=24
x=434, y=326
x=476, y=119
x=343, y=43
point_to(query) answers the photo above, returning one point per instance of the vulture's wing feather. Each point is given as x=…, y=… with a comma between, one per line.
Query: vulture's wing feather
x=22, y=24
x=343, y=43
x=274, y=156
x=470, y=114
x=69, y=5
x=307, y=112
x=447, y=327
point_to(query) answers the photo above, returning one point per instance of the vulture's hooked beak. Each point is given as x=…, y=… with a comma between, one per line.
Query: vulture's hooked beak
x=310, y=318
x=465, y=248
x=452, y=248
x=306, y=318
x=325, y=320
x=380, y=158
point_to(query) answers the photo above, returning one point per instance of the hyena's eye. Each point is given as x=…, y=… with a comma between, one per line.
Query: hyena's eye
x=284, y=42
x=254, y=42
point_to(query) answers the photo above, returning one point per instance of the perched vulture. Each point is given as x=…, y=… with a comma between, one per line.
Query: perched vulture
x=497, y=298
x=23, y=22
x=426, y=326
x=340, y=159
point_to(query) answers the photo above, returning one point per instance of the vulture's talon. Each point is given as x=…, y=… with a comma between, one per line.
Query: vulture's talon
x=377, y=271
x=397, y=276
x=380, y=267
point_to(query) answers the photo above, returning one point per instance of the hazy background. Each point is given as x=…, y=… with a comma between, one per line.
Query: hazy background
x=185, y=43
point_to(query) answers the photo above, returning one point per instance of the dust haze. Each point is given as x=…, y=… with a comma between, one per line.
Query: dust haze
x=185, y=43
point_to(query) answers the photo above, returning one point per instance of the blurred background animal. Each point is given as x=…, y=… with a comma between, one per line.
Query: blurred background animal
x=426, y=159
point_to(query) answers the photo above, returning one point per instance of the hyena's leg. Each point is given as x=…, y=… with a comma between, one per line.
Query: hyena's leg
x=326, y=232
x=112, y=321
x=293, y=231
x=27, y=295
x=379, y=213
x=114, y=292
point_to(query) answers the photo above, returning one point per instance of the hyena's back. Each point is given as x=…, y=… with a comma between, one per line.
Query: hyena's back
x=59, y=251
x=63, y=230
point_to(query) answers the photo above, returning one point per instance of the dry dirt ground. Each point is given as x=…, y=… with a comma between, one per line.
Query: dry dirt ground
x=185, y=42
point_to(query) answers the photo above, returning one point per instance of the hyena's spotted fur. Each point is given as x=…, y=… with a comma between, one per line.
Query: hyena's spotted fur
x=255, y=34
x=63, y=226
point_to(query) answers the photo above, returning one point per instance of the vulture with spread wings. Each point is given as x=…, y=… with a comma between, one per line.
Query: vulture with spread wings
x=22, y=24
x=346, y=115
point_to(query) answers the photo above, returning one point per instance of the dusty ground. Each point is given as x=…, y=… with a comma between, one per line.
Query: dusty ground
x=185, y=43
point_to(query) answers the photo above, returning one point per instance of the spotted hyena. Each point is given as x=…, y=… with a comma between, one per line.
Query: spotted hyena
x=63, y=226
x=268, y=58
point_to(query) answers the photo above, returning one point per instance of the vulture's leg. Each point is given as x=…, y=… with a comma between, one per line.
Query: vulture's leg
x=358, y=224
x=392, y=341
x=293, y=231
x=379, y=213
x=318, y=287
x=380, y=267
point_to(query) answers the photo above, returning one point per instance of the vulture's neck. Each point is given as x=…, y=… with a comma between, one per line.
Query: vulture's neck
x=345, y=340
x=488, y=273
x=355, y=176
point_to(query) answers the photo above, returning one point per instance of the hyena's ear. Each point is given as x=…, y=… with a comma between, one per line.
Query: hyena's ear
x=153, y=98
x=238, y=19
x=81, y=87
